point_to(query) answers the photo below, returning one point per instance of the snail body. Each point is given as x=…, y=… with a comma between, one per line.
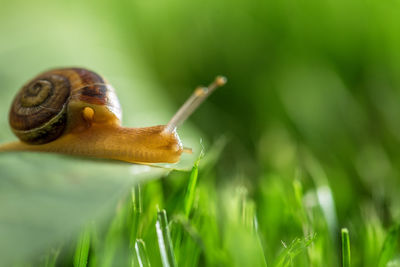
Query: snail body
x=75, y=111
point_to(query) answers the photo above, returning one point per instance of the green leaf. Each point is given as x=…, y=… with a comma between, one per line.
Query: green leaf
x=46, y=198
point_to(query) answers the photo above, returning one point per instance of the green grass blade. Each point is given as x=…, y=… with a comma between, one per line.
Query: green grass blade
x=190, y=192
x=164, y=240
x=137, y=199
x=136, y=212
x=298, y=194
x=141, y=253
x=82, y=249
x=389, y=246
x=51, y=257
x=95, y=245
x=177, y=234
x=345, y=248
x=260, y=243
x=297, y=246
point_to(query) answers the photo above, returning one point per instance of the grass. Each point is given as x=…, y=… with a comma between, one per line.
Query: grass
x=389, y=247
x=142, y=258
x=201, y=223
x=346, y=256
x=82, y=249
x=164, y=240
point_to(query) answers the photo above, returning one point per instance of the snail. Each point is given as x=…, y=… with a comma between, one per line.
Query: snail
x=75, y=111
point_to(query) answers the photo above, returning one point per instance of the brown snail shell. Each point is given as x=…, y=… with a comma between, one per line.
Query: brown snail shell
x=38, y=114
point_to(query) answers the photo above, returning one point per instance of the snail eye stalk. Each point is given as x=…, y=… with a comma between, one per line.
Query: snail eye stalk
x=198, y=96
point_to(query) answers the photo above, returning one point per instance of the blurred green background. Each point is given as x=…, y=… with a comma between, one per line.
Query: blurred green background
x=312, y=96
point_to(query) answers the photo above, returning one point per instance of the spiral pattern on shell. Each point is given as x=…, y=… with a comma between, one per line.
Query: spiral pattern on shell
x=39, y=111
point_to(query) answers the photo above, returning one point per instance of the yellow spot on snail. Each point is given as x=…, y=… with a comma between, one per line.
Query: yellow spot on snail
x=88, y=114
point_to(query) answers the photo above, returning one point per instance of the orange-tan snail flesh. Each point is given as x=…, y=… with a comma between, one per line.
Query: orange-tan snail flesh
x=75, y=111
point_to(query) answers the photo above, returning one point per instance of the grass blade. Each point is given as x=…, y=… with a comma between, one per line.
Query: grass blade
x=345, y=248
x=51, y=258
x=82, y=249
x=190, y=192
x=136, y=212
x=250, y=222
x=297, y=246
x=141, y=253
x=187, y=207
x=389, y=246
x=164, y=240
